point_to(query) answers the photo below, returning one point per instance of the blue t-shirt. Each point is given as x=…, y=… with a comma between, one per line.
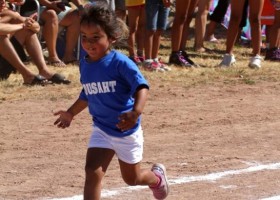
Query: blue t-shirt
x=108, y=86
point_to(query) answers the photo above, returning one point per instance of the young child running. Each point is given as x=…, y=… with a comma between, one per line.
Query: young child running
x=115, y=92
x=157, y=12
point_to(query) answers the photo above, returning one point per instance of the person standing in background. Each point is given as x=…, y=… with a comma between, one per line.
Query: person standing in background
x=157, y=12
x=136, y=24
x=256, y=7
x=179, y=33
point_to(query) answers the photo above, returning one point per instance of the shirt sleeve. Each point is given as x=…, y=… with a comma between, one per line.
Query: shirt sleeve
x=133, y=76
x=83, y=95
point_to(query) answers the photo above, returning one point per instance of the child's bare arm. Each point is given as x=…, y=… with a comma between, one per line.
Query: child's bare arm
x=66, y=117
x=129, y=119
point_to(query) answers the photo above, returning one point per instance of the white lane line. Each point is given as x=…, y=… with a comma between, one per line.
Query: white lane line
x=187, y=179
x=272, y=198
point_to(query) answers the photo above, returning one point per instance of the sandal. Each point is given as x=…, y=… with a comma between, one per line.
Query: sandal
x=37, y=80
x=57, y=63
x=59, y=79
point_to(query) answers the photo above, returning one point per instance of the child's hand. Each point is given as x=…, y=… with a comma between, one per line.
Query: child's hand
x=64, y=119
x=32, y=25
x=127, y=120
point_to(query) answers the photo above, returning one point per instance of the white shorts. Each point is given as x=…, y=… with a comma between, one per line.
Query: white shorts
x=128, y=149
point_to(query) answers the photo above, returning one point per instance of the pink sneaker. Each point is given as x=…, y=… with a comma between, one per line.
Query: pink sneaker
x=153, y=66
x=162, y=190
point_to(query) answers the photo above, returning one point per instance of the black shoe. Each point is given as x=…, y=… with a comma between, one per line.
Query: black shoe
x=273, y=54
x=186, y=56
x=178, y=59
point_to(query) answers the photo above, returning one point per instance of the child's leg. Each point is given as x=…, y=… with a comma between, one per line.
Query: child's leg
x=97, y=162
x=133, y=18
x=216, y=18
x=156, y=43
x=181, y=13
x=133, y=175
x=8, y=52
x=140, y=33
x=33, y=48
x=235, y=18
x=155, y=178
x=149, y=37
x=200, y=24
x=186, y=27
x=255, y=13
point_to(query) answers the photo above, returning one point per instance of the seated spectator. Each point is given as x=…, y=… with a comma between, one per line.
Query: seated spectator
x=15, y=29
x=52, y=15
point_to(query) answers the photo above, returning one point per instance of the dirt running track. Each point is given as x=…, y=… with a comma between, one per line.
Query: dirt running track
x=193, y=131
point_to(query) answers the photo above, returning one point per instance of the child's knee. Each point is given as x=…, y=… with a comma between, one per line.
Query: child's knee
x=93, y=174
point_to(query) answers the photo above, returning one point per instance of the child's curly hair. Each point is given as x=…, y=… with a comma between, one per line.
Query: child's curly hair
x=99, y=13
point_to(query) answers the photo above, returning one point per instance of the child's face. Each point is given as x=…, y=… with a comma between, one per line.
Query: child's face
x=94, y=41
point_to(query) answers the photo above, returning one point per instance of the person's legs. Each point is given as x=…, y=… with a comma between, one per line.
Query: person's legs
x=8, y=52
x=255, y=23
x=275, y=31
x=255, y=13
x=133, y=18
x=236, y=15
x=180, y=28
x=72, y=22
x=181, y=14
x=162, y=18
x=152, y=13
x=232, y=32
x=216, y=17
x=30, y=41
x=50, y=32
x=200, y=24
x=185, y=34
x=97, y=162
x=133, y=175
x=149, y=38
x=140, y=33
x=156, y=43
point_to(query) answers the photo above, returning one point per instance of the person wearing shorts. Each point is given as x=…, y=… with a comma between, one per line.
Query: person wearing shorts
x=53, y=19
x=136, y=24
x=157, y=13
x=115, y=92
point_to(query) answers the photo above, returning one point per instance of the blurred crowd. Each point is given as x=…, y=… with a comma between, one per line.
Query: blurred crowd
x=46, y=32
